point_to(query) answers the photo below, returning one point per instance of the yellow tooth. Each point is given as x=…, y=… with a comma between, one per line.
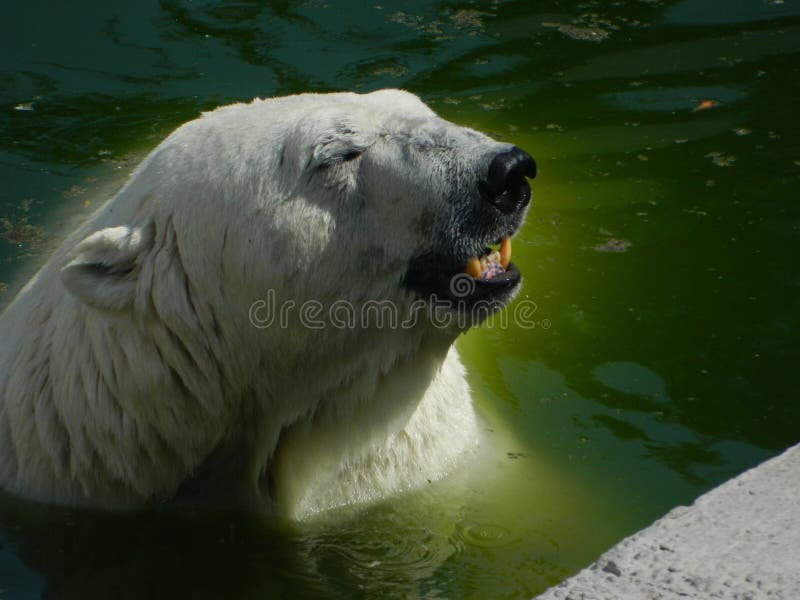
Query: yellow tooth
x=505, y=252
x=473, y=267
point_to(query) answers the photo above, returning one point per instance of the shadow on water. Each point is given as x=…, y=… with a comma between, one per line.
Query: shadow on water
x=435, y=543
x=660, y=253
x=76, y=554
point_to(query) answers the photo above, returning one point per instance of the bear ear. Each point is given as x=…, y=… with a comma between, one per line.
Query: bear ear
x=103, y=269
x=340, y=146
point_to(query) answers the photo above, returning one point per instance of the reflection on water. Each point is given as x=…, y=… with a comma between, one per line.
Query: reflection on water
x=660, y=248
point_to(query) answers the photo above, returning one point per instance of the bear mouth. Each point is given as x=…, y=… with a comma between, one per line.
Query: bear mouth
x=488, y=277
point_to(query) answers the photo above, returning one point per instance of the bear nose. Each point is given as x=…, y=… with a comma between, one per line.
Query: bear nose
x=505, y=186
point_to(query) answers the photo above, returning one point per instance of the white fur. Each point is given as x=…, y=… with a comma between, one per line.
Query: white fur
x=130, y=371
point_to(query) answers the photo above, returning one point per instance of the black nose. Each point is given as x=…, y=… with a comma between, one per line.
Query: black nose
x=505, y=186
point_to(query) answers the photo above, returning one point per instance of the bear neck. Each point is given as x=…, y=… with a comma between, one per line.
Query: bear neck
x=68, y=429
x=376, y=436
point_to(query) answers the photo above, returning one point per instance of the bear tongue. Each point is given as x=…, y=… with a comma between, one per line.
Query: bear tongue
x=490, y=265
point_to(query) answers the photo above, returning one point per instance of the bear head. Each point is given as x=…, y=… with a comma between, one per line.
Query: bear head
x=325, y=198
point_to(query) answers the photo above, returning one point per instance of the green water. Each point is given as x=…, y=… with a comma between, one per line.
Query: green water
x=661, y=252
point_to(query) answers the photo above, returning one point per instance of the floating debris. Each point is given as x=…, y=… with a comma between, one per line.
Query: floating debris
x=720, y=159
x=575, y=32
x=419, y=24
x=466, y=18
x=22, y=233
x=741, y=131
x=695, y=211
x=72, y=192
x=24, y=107
x=613, y=245
x=706, y=104
x=395, y=71
x=494, y=105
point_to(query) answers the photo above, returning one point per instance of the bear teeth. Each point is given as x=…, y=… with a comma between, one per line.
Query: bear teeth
x=505, y=252
x=492, y=264
x=473, y=268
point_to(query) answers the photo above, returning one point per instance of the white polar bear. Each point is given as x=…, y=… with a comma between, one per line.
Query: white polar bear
x=132, y=370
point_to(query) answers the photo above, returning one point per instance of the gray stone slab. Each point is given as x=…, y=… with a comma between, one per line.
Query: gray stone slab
x=740, y=541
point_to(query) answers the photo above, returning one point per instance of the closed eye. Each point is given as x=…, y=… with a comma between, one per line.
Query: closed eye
x=351, y=155
x=347, y=156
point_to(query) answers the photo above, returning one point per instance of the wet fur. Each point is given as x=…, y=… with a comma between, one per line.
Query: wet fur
x=130, y=372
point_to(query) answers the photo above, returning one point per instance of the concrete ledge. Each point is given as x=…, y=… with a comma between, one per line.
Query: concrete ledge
x=740, y=540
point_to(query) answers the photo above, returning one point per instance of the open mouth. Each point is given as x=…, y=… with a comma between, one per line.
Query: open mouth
x=490, y=277
x=492, y=263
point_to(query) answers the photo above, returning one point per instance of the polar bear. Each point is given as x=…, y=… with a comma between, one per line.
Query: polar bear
x=138, y=365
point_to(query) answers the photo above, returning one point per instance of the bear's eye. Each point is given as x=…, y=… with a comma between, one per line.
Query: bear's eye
x=351, y=155
x=339, y=158
x=338, y=147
